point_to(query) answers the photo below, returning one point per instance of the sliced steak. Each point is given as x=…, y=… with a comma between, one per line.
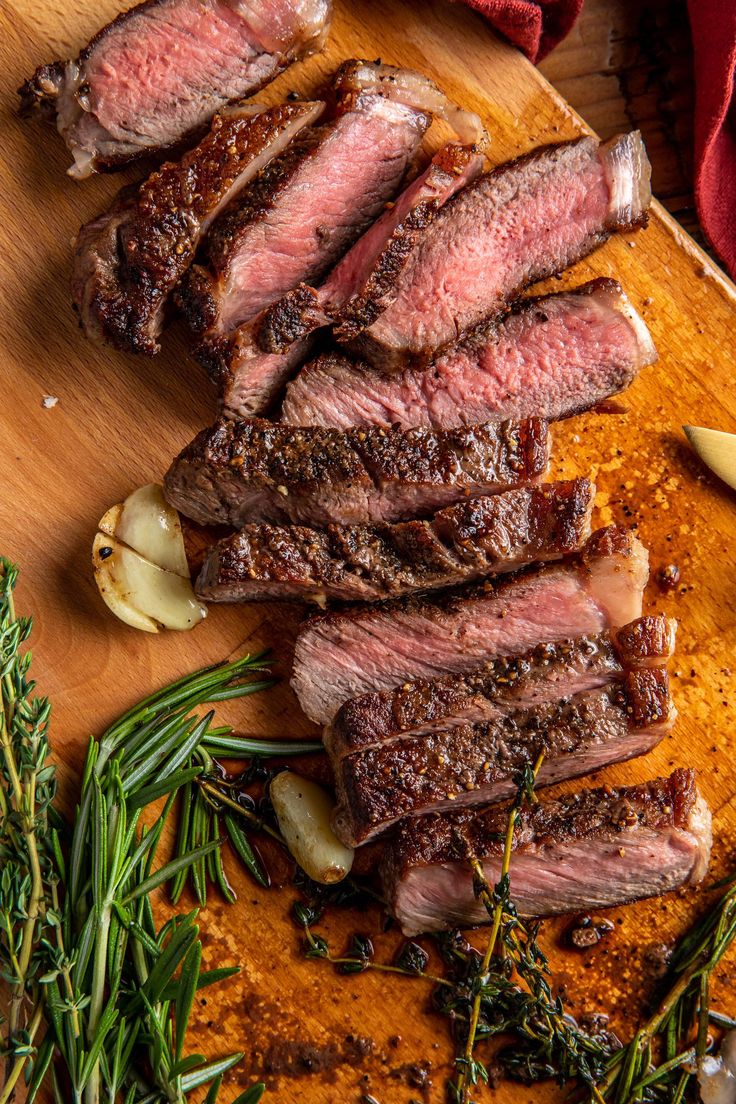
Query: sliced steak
x=583, y=852
x=250, y=382
x=358, y=563
x=305, y=209
x=154, y=77
x=128, y=261
x=544, y=674
x=368, y=272
x=552, y=357
x=479, y=764
x=342, y=655
x=522, y=222
x=239, y=471
x=252, y=364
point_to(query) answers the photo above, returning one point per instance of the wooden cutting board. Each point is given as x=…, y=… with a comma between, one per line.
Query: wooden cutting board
x=314, y=1036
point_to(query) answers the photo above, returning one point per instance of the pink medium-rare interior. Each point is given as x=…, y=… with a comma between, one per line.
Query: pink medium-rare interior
x=477, y=255
x=165, y=60
x=348, y=276
x=562, y=356
x=339, y=188
x=383, y=650
x=557, y=878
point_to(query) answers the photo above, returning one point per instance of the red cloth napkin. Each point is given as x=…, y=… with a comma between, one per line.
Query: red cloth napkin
x=537, y=27
x=713, y=24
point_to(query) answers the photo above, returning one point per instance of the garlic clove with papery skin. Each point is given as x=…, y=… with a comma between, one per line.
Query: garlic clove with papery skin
x=717, y=1074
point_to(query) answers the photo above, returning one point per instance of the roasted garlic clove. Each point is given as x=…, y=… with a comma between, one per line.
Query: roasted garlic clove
x=140, y=564
x=303, y=810
x=148, y=525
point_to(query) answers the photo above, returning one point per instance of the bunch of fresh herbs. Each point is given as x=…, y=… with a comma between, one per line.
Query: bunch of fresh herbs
x=80, y=948
x=660, y=1063
x=82, y=955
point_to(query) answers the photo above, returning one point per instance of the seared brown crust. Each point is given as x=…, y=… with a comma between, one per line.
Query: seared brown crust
x=40, y=90
x=643, y=643
x=478, y=764
x=427, y=705
x=610, y=541
x=240, y=470
x=197, y=298
x=365, y=308
x=599, y=814
x=358, y=563
x=295, y=315
x=126, y=268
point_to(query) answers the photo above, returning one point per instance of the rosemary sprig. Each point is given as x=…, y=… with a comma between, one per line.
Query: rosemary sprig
x=660, y=1062
x=216, y=805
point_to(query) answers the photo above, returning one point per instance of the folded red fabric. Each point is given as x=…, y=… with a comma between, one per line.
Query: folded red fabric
x=713, y=24
x=537, y=27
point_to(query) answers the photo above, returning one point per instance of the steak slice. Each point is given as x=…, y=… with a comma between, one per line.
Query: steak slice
x=244, y=471
x=365, y=563
x=479, y=764
x=522, y=222
x=154, y=77
x=342, y=655
x=128, y=261
x=546, y=673
x=583, y=852
x=252, y=364
x=551, y=357
x=250, y=382
x=305, y=209
x=369, y=271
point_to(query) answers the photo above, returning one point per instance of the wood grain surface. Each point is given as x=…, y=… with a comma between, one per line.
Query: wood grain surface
x=313, y=1036
x=629, y=65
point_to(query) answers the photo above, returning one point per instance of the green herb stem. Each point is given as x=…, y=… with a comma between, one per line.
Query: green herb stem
x=221, y=800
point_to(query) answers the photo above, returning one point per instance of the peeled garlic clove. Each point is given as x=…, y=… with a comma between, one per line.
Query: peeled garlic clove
x=110, y=590
x=148, y=525
x=141, y=593
x=304, y=812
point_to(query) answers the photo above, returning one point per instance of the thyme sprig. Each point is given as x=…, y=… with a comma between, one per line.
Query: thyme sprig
x=503, y=992
x=660, y=1063
x=28, y=921
x=509, y=991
